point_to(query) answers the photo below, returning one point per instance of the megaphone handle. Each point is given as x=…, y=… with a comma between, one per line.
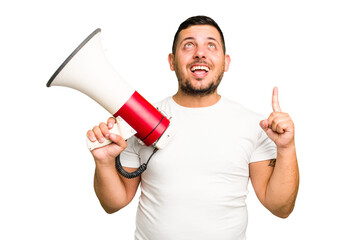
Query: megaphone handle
x=121, y=128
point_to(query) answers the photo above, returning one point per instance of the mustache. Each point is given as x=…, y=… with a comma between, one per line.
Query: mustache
x=200, y=61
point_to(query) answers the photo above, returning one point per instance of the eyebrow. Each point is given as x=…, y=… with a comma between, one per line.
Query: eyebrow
x=214, y=39
x=192, y=38
x=185, y=39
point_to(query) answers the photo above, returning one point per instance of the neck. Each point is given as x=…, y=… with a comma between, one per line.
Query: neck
x=196, y=101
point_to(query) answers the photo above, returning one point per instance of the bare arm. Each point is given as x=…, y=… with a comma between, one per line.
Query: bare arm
x=276, y=183
x=113, y=191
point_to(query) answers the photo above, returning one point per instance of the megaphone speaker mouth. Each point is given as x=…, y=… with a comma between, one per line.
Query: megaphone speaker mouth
x=68, y=59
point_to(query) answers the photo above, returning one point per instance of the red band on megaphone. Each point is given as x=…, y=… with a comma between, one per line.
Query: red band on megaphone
x=147, y=121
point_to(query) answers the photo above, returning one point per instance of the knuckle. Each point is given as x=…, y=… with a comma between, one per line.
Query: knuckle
x=97, y=132
x=104, y=129
x=276, y=120
x=95, y=129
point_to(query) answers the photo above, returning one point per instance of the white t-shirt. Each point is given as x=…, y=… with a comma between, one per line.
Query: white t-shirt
x=195, y=188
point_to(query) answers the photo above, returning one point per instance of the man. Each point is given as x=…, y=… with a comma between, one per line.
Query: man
x=196, y=187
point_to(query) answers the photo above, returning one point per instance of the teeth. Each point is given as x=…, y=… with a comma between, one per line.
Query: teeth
x=199, y=68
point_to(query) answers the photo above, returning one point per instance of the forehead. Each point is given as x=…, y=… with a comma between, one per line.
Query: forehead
x=200, y=32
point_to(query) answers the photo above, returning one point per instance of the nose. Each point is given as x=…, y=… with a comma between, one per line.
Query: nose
x=200, y=52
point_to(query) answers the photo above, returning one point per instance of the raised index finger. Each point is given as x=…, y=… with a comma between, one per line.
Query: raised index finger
x=275, y=100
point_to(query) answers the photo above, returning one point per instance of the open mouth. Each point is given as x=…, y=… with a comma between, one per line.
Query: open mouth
x=199, y=70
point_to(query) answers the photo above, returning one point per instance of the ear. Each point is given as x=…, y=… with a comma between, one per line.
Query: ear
x=227, y=62
x=171, y=59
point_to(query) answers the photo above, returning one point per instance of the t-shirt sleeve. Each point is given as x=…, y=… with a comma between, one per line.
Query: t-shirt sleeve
x=265, y=148
x=130, y=156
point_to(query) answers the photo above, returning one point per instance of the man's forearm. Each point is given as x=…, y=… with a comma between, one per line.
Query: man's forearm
x=109, y=188
x=283, y=185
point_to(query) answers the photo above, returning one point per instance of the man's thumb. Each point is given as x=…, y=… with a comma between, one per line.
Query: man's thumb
x=117, y=139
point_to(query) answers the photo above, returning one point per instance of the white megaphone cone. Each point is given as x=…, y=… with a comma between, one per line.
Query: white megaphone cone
x=88, y=71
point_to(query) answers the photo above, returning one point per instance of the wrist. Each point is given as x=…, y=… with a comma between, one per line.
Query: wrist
x=287, y=150
x=104, y=164
x=104, y=171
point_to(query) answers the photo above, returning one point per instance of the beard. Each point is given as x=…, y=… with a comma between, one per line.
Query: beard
x=189, y=89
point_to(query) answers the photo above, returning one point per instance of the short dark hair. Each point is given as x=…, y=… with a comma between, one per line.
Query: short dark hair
x=197, y=20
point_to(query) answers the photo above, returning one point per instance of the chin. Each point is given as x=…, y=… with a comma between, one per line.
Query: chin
x=198, y=90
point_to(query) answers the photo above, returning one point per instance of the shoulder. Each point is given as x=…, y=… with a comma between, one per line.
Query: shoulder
x=164, y=102
x=165, y=106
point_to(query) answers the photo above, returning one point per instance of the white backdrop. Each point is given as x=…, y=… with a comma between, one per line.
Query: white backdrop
x=309, y=49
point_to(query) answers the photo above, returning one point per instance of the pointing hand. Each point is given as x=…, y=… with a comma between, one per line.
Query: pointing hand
x=279, y=126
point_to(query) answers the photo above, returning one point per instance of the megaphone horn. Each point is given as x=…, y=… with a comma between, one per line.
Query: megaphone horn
x=88, y=71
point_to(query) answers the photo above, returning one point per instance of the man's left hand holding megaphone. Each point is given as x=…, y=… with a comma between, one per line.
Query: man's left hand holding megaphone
x=88, y=71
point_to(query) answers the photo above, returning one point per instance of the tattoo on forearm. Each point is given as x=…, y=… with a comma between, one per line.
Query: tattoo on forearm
x=272, y=163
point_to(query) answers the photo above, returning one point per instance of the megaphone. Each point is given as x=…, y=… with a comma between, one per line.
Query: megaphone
x=88, y=71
